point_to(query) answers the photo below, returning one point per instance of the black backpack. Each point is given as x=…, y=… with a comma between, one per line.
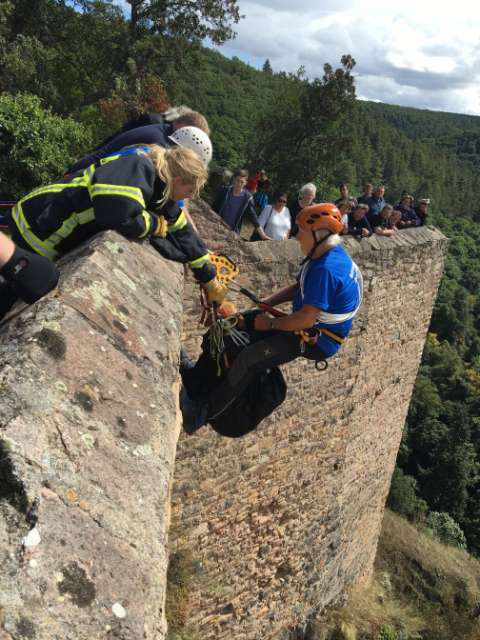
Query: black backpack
x=264, y=394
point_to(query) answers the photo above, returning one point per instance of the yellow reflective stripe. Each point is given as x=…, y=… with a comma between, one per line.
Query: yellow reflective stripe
x=86, y=216
x=108, y=159
x=179, y=223
x=64, y=231
x=88, y=173
x=200, y=262
x=56, y=188
x=117, y=190
x=39, y=246
x=148, y=221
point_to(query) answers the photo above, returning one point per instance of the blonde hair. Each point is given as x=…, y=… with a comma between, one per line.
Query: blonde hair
x=178, y=162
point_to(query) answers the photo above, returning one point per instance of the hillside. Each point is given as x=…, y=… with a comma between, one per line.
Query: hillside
x=422, y=590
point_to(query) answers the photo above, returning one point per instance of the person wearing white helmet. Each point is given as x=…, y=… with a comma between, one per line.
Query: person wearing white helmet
x=163, y=134
x=195, y=139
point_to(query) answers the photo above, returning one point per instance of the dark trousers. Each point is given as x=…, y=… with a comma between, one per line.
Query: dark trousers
x=267, y=349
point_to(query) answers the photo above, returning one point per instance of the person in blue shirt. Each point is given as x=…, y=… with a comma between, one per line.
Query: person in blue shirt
x=376, y=202
x=325, y=298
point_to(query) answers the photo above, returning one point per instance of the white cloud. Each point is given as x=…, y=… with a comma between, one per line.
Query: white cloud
x=420, y=53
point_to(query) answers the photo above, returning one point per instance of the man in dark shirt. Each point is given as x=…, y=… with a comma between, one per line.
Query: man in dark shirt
x=358, y=224
x=409, y=217
x=367, y=193
x=380, y=222
x=422, y=210
x=344, y=195
x=233, y=203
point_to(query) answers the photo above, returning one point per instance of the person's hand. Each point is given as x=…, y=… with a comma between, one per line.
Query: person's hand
x=215, y=291
x=365, y=233
x=262, y=234
x=263, y=322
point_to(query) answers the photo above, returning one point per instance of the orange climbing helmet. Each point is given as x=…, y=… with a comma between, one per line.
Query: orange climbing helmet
x=320, y=216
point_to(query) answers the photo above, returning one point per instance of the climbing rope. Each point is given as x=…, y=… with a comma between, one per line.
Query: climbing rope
x=225, y=327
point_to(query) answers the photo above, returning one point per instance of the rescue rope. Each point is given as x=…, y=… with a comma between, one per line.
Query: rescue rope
x=225, y=327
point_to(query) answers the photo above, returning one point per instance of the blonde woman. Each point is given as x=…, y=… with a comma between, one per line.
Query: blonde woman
x=133, y=194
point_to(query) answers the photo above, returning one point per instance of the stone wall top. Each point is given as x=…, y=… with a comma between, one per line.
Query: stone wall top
x=88, y=430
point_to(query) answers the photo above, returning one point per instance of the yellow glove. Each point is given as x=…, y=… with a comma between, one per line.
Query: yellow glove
x=162, y=227
x=215, y=291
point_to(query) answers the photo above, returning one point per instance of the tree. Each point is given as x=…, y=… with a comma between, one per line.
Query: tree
x=308, y=118
x=267, y=68
x=35, y=146
x=187, y=19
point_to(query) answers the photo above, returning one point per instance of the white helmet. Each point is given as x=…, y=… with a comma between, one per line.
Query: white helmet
x=195, y=139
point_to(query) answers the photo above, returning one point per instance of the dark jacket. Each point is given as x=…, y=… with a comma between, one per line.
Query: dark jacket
x=142, y=120
x=121, y=194
x=355, y=226
x=150, y=134
x=409, y=217
x=247, y=208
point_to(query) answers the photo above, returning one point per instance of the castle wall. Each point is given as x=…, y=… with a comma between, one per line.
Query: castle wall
x=88, y=430
x=282, y=520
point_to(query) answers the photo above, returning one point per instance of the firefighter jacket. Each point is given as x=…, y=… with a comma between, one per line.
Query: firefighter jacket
x=122, y=194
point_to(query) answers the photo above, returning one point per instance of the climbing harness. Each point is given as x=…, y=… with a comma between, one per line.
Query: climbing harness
x=227, y=271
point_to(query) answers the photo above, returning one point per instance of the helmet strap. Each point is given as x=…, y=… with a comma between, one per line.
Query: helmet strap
x=316, y=244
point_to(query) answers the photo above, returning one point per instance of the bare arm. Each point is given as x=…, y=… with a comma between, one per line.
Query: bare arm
x=6, y=249
x=284, y=295
x=302, y=319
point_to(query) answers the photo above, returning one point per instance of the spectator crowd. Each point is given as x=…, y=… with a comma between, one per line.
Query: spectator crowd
x=273, y=215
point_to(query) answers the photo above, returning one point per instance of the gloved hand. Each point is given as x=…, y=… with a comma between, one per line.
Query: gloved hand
x=30, y=275
x=215, y=291
x=162, y=228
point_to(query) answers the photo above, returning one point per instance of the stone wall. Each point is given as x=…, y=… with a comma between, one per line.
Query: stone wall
x=282, y=520
x=88, y=430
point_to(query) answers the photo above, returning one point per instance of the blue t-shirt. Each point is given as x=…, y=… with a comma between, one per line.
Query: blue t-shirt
x=332, y=284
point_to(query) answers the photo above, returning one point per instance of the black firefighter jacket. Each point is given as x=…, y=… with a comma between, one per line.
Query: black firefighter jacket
x=121, y=194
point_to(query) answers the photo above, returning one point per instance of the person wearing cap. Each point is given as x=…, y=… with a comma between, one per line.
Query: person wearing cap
x=409, y=217
x=325, y=298
x=135, y=195
x=183, y=131
x=26, y=275
x=422, y=210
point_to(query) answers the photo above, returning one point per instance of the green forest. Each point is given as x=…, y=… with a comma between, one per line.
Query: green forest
x=72, y=72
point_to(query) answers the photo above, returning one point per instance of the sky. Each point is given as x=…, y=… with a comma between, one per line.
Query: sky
x=414, y=53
